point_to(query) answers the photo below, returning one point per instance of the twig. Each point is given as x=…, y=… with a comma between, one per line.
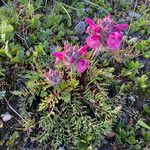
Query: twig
x=25, y=37
x=103, y=9
x=132, y=114
x=24, y=41
x=61, y=4
x=15, y=111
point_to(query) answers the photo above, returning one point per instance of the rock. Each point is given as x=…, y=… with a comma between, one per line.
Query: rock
x=111, y=135
x=125, y=38
x=6, y=117
x=131, y=98
x=28, y=53
x=105, y=141
x=133, y=40
x=80, y=27
x=134, y=14
x=61, y=148
x=122, y=20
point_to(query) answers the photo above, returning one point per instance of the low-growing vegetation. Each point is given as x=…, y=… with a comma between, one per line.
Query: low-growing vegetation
x=74, y=75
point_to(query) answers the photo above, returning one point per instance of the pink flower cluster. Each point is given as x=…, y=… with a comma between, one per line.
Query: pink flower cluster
x=72, y=56
x=104, y=33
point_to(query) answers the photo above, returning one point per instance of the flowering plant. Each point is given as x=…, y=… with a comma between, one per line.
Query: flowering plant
x=71, y=56
x=105, y=33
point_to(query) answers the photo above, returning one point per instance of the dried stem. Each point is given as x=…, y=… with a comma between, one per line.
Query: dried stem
x=15, y=111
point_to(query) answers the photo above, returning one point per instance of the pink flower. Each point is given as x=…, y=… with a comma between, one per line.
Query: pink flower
x=71, y=56
x=120, y=27
x=114, y=40
x=83, y=49
x=82, y=65
x=92, y=25
x=59, y=56
x=104, y=33
x=93, y=41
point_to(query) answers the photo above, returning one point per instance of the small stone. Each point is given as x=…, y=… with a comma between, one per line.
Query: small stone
x=134, y=14
x=28, y=53
x=122, y=20
x=131, y=98
x=111, y=135
x=124, y=38
x=87, y=10
x=80, y=27
x=133, y=40
x=61, y=148
x=6, y=117
x=105, y=141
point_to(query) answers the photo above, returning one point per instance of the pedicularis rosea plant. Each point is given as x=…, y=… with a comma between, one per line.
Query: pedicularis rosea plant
x=79, y=102
x=79, y=109
x=105, y=34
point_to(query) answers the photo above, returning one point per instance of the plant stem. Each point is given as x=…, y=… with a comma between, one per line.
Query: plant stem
x=15, y=111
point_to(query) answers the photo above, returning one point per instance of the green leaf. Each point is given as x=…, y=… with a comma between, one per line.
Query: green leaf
x=146, y=108
x=18, y=93
x=146, y=54
x=43, y=94
x=7, y=50
x=143, y=124
x=118, y=139
x=5, y=27
x=123, y=133
x=82, y=145
x=131, y=140
x=35, y=21
x=2, y=72
x=66, y=96
x=146, y=136
x=12, y=138
x=32, y=38
x=30, y=9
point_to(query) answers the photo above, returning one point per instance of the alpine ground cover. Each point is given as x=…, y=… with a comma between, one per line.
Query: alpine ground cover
x=74, y=74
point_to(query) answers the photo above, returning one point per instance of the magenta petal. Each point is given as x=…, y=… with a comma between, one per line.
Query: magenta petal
x=91, y=23
x=82, y=65
x=58, y=56
x=120, y=27
x=83, y=49
x=114, y=40
x=93, y=41
x=88, y=30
